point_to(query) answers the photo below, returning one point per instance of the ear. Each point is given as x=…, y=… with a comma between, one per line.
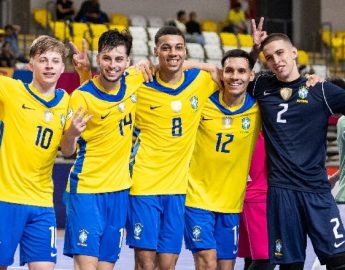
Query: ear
x=294, y=53
x=252, y=76
x=128, y=62
x=63, y=69
x=97, y=59
x=30, y=66
x=155, y=51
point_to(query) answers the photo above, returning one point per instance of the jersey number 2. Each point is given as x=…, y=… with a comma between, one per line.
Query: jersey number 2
x=280, y=113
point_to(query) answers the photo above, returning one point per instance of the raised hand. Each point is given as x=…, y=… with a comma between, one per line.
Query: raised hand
x=78, y=123
x=81, y=61
x=258, y=33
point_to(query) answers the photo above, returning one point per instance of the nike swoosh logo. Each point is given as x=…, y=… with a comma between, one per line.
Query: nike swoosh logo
x=104, y=116
x=267, y=93
x=206, y=119
x=52, y=254
x=336, y=245
x=26, y=107
x=154, y=107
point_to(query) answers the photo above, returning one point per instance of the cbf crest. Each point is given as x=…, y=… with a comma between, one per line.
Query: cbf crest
x=62, y=120
x=138, y=228
x=278, y=249
x=245, y=123
x=196, y=233
x=134, y=98
x=285, y=93
x=194, y=102
x=303, y=92
x=83, y=234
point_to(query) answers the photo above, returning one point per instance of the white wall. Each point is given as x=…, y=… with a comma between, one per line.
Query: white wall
x=206, y=9
x=333, y=11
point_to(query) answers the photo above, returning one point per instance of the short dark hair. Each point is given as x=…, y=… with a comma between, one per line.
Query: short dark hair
x=114, y=38
x=238, y=53
x=180, y=13
x=337, y=81
x=168, y=30
x=274, y=37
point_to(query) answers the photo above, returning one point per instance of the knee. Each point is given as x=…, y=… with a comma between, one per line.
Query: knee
x=206, y=259
x=336, y=262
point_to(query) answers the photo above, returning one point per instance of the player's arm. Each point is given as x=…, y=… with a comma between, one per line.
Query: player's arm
x=258, y=35
x=72, y=134
x=211, y=68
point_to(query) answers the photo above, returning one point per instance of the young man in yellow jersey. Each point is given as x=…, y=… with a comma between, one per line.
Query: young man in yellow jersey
x=32, y=118
x=99, y=181
x=229, y=127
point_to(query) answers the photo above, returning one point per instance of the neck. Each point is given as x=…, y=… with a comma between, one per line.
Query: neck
x=45, y=90
x=233, y=100
x=107, y=85
x=170, y=77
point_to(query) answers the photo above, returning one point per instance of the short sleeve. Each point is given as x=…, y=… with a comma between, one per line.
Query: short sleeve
x=76, y=101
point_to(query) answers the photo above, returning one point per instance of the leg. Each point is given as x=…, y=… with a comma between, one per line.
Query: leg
x=292, y=266
x=247, y=261
x=41, y=266
x=105, y=266
x=317, y=265
x=336, y=262
x=145, y=259
x=3, y=267
x=226, y=264
x=205, y=259
x=167, y=261
x=83, y=262
x=261, y=265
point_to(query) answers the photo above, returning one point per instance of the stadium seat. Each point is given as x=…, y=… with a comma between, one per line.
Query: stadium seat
x=209, y=26
x=229, y=40
x=155, y=21
x=138, y=32
x=152, y=32
x=137, y=20
x=245, y=42
x=213, y=51
x=326, y=37
x=42, y=16
x=140, y=48
x=97, y=29
x=216, y=62
x=119, y=27
x=195, y=51
x=211, y=38
x=303, y=58
x=119, y=19
x=60, y=30
x=80, y=29
x=151, y=45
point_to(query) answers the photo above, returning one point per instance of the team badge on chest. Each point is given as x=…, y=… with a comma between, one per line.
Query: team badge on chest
x=303, y=92
x=47, y=116
x=134, y=98
x=227, y=122
x=121, y=107
x=285, y=93
x=194, y=102
x=246, y=123
x=176, y=106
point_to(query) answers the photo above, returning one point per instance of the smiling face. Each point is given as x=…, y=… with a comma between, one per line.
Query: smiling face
x=171, y=52
x=281, y=57
x=236, y=77
x=112, y=64
x=47, y=68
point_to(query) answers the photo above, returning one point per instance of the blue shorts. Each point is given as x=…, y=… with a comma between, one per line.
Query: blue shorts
x=292, y=215
x=206, y=230
x=95, y=224
x=156, y=222
x=33, y=227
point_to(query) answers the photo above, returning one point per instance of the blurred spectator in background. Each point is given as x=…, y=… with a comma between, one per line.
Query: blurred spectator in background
x=180, y=21
x=236, y=20
x=64, y=10
x=90, y=11
x=7, y=57
x=11, y=36
x=194, y=29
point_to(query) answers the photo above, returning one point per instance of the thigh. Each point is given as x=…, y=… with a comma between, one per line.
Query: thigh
x=38, y=243
x=13, y=220
x=84, y=225
x=256, y=222
x=113, y=233
x=171, y=224
x=286, y=223
x=143, y=222
x=199, y=229
x=325, y=228
x=226, y=234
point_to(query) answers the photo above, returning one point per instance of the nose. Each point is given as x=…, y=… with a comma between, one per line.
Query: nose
x=275, y=58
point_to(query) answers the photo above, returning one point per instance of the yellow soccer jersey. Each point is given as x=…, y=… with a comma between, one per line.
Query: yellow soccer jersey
x=31, y=127
x=221, y=158
x=104, y=148
x=166, y=123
